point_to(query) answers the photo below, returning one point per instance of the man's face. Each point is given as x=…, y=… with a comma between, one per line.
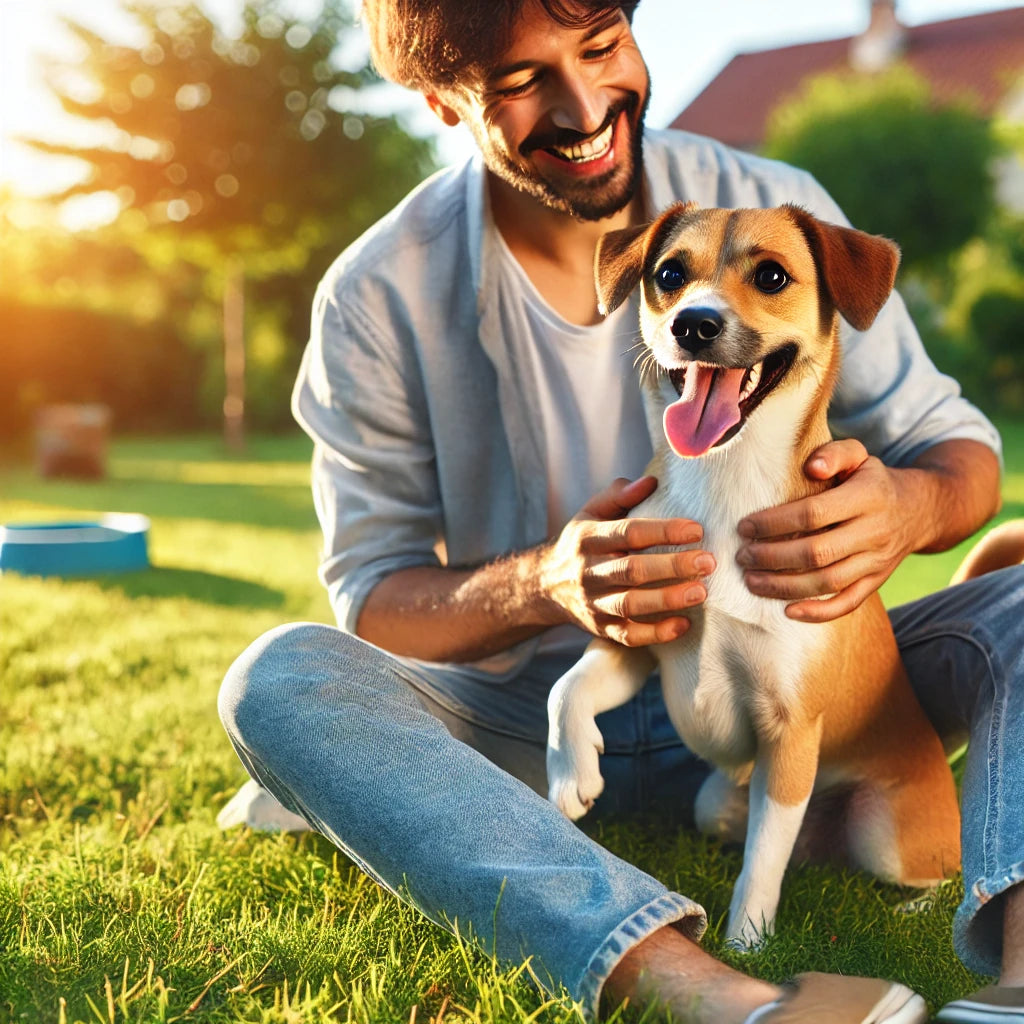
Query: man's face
x=560, y=114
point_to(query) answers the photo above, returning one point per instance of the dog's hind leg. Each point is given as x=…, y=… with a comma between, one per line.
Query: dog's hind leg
x=605, y=677
x=904, y=824
x=722, y=807
x=780, y=789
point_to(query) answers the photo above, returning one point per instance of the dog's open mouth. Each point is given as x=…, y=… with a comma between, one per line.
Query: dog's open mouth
x=715, y=401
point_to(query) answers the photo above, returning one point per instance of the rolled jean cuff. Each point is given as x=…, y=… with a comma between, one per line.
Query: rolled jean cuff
x=978, y=923
x=668, y=909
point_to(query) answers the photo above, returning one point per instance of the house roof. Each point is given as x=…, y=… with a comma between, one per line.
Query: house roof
x=981, y=55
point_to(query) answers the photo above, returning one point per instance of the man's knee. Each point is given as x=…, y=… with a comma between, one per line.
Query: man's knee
x=273, y=671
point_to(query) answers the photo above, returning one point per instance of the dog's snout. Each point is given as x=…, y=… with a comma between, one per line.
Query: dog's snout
x=698, y=327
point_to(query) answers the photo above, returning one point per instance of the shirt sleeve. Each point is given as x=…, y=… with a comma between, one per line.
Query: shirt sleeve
x=890, y=395
x=359, y=396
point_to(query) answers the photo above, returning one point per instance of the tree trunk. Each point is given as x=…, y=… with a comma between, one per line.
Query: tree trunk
x=234, y=355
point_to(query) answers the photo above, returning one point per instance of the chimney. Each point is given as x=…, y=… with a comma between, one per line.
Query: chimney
x=882, y=42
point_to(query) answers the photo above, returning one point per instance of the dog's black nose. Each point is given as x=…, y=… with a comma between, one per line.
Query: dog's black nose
x=697, y=328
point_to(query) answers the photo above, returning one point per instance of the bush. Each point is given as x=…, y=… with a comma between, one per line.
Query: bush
x=898, y=164
x=144, y=372
x=997, y=328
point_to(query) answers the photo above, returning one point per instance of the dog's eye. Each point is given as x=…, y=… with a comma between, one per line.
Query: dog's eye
x=670, y=276
x=769, y=277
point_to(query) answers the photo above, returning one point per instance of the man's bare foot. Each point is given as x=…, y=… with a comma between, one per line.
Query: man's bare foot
x=670, y=970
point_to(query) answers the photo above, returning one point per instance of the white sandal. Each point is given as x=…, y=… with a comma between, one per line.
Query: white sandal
x=258, y=808
x=837, y=999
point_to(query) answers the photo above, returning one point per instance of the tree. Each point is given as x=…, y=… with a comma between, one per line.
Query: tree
x=896, y=162
x=241, y=155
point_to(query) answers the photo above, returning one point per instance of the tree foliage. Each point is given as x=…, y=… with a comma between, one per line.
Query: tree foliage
x=897, y=163
x=246, y=137
x=250, y=149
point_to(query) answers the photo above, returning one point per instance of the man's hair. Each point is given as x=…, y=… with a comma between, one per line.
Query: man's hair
x=434, y=44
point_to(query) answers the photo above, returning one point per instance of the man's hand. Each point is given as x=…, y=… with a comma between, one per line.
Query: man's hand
x=846, y=541
x=602, y=576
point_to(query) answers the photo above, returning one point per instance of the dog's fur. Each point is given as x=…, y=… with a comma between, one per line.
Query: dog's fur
x=781, y=706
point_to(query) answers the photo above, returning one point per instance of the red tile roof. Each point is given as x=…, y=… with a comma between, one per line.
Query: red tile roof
x=982, y=55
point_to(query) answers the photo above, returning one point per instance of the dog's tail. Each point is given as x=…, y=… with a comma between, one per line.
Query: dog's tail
x=999, y=548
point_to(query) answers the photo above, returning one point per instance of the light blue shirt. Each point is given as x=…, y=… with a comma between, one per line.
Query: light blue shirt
x=426, y=429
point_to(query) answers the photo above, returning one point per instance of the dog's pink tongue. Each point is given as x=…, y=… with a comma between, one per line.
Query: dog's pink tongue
x=707, y=408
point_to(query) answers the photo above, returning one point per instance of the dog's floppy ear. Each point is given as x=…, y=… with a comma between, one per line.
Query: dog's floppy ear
x=618, y=265
x=857, y=269
x=619, y=259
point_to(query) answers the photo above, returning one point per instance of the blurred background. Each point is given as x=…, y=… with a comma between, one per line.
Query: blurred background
x=175, y=178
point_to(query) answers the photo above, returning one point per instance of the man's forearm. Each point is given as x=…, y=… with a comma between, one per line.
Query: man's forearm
x=441, y=614
x=956, y=486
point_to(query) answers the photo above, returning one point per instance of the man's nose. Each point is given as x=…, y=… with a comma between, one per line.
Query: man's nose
x=578, y=106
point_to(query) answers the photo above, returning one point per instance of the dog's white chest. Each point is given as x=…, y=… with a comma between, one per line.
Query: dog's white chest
x=742, y=663
x=728, y=680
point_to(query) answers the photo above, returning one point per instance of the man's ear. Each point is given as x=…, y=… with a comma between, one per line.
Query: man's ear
x=858, y=270
x=445, y=112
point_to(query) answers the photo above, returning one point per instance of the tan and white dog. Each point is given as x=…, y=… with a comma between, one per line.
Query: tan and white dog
x=740, y=311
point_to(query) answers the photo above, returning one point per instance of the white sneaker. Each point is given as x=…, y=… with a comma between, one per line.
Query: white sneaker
x=995, y=1004
x=258, y=808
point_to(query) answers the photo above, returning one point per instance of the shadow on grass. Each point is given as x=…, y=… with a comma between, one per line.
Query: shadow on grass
x=273, y=506
x=206, y=587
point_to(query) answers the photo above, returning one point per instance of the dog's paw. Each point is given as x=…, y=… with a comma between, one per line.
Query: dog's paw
x=746, y=938
x=574, y=771
x=738, y=944
x=575, y=796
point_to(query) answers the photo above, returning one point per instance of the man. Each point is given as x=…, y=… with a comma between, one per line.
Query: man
x=466, y=400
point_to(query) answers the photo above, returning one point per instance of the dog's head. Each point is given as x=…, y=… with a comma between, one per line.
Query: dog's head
x=739, y=305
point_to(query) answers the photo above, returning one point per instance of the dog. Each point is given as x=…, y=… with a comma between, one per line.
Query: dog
x=740, y=313
x=1000, y=548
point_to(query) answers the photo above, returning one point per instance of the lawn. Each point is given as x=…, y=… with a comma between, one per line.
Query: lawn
x=121, y=900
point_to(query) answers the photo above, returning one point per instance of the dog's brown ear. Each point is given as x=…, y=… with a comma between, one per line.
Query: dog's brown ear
x=857, y=269
x=618, y=265
x=619, y=259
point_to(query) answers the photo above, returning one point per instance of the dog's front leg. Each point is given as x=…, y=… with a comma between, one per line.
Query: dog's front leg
x=780, y=789
x=605, y=677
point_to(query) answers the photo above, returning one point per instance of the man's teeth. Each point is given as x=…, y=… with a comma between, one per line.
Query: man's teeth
x=592, y=149
x=751, y=381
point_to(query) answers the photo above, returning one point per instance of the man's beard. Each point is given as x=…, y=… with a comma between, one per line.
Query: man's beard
x=595, y=198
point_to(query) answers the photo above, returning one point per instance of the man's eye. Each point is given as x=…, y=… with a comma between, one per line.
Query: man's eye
x=602, y=51
x=515, y=87
x=514, y=90
x=670, y=276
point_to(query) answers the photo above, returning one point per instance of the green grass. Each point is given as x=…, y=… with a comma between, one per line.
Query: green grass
x=120, y=899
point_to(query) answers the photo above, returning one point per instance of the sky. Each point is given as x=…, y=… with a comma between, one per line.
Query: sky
x=684, y=43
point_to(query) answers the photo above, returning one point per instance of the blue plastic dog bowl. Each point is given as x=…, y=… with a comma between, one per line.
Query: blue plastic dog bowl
x=116, y=543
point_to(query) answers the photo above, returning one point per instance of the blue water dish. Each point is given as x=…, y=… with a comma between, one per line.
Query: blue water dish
x=116, y=542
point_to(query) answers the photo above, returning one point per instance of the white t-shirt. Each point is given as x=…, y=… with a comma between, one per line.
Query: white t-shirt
x=588, y=392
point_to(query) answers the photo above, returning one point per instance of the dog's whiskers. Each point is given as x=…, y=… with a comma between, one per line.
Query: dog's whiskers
x=644, y=361
x=649, y=367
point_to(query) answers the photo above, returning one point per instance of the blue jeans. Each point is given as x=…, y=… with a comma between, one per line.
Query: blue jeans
x=429, y=778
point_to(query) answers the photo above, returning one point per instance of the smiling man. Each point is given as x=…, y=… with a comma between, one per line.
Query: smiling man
x=479, y=437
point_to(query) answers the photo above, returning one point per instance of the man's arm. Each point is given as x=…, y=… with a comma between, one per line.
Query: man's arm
x=596, y=574
x=848, y=540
